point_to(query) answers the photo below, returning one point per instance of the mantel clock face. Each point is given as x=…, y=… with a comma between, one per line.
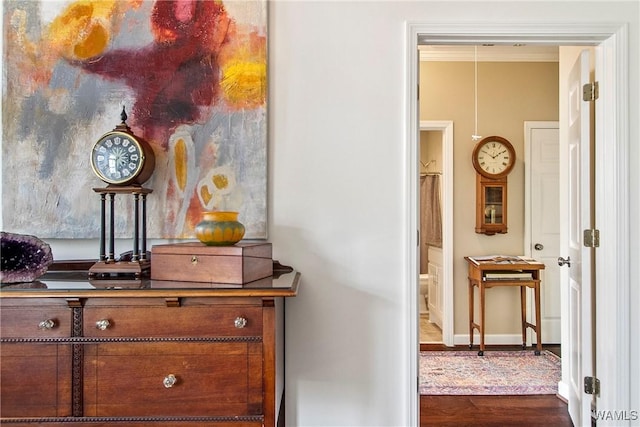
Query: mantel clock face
x=493, y=157
x=120, y=158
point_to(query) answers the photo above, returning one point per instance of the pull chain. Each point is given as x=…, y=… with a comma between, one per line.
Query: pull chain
x=475, y=135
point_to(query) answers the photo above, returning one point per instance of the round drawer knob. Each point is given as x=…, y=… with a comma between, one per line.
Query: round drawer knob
x=240, y=322
x=103, y=324
x=47, y=324
x=169, y=381
x=194, y=260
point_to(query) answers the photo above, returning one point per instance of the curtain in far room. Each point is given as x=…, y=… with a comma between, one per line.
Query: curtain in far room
x=430, y=216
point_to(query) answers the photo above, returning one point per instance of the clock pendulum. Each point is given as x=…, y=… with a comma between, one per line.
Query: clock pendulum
x=124, y=161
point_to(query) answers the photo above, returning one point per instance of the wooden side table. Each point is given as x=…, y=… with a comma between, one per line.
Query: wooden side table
x=489, y=272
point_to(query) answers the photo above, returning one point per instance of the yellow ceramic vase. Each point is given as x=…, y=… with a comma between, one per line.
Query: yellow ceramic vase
x=219, y=228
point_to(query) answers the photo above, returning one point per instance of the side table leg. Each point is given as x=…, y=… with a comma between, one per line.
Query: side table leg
x=523, y=309
x=536, y=291
x=471, y=314
x=481, y=325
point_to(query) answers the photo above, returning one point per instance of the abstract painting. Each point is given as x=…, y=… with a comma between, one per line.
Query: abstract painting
x=192, y=76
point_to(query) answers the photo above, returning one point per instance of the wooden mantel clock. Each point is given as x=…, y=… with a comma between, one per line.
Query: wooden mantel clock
x=124, y=161
x=493, y=158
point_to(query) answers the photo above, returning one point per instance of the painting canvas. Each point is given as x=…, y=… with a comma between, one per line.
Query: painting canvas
x=192, y=77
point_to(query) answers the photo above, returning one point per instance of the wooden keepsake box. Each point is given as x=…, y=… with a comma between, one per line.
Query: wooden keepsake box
x=241, y=263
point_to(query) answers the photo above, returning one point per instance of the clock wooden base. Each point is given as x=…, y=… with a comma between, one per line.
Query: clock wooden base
x=135, y=268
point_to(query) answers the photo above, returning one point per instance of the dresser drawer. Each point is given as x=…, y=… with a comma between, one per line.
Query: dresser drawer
x=173, y=379
x=158, y=320
x=36, y=380
x=41, y=318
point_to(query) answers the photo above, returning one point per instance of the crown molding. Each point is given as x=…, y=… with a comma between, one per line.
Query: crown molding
x=489, y=53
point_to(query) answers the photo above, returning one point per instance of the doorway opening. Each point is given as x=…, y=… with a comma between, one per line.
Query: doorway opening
x=436, y=237
x=447, y=90
x=610, y=169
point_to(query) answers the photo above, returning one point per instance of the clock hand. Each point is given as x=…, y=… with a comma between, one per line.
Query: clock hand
x=497, y=154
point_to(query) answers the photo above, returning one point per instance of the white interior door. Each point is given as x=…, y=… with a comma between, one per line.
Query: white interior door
x=579, y=218
x=542, y=221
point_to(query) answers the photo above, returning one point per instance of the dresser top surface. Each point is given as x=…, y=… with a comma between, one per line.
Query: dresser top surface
x=76, y=283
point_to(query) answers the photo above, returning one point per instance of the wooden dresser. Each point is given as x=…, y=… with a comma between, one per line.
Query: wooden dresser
x=143, y=352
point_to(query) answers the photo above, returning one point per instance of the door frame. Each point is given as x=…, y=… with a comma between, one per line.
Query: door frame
x=612, y=188
x=446, y=127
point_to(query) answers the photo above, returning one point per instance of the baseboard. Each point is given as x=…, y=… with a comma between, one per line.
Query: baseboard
x=461, y=342
x=489, y=339
x=563, y=390
x=280, y=422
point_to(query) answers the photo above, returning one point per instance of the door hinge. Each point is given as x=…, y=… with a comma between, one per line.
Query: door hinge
x=591, y=238
x=590, y=91
x=592, y=386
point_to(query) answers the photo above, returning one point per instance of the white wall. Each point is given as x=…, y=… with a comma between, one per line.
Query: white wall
x=337, y=210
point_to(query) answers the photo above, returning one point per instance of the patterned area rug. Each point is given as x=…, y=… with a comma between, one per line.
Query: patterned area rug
x=497, y=372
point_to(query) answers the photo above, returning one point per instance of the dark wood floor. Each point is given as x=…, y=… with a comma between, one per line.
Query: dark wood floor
x=459, y=411
x=542, y=410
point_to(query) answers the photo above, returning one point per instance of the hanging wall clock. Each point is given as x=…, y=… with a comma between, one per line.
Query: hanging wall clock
x=493, y=159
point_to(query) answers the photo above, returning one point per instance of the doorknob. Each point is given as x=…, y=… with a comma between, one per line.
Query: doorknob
x=562, y=261
x=538, y=246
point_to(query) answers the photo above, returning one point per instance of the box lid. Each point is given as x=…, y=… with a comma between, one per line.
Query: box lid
x=242, y=248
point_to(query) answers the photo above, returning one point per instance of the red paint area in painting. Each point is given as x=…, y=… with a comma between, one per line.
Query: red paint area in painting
x=176, y=74
x=184, y=10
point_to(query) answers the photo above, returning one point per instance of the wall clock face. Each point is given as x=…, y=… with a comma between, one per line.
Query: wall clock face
x=493, y=157
x=119, y=158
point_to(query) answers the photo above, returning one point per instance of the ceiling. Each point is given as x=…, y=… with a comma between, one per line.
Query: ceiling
x=489, y=53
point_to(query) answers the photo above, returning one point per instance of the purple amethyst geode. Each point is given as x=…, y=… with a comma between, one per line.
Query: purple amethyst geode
x=24, y=258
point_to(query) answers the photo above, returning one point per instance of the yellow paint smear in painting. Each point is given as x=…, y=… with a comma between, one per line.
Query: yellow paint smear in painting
x=180, y=163
x=206, y=196
x=80, y=31
x=220, y=181
x=93, y=44
x=244, y=83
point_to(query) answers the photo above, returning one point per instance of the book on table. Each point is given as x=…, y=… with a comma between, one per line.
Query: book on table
x=501, y=259
x=508, y=275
